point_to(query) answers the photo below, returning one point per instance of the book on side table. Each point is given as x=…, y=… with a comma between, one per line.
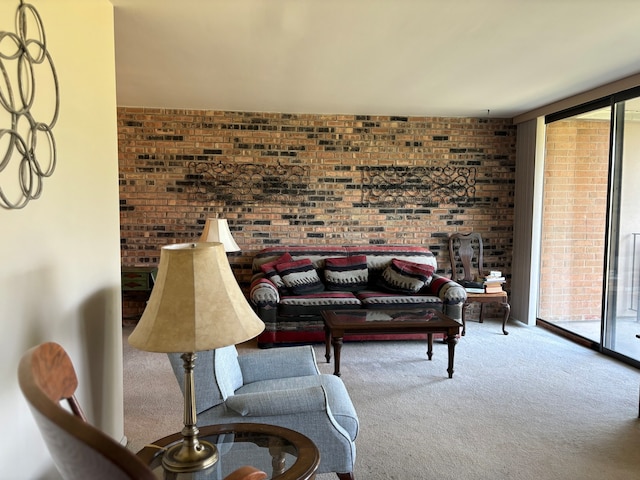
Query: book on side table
x=493, y=282
x=472, y=286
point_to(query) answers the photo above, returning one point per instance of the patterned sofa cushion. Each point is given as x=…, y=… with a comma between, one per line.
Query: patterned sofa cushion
x=379, y=257
x=346, y=274
x=270, y=272
x=300, y=304
x=317, y=254
x=300, y=277
x=373, y=299
x=405, y=277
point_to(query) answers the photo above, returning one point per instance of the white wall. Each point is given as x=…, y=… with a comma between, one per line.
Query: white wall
x=60, y=265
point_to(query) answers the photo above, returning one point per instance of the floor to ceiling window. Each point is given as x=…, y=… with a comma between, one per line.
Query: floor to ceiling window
x=590, y=250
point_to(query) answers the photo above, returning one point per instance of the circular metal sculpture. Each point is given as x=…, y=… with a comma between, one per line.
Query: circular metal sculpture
x=27, y=146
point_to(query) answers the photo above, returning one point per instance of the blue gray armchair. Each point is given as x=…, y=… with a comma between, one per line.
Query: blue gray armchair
x=280, y=386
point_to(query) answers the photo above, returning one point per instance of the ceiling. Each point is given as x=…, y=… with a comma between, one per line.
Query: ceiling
x=471, y=58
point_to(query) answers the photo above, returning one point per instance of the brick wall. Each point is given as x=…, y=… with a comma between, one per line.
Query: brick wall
x=575, y=200
x=313, y=179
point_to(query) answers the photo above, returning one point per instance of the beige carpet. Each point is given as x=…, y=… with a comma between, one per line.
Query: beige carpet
x=525, y=406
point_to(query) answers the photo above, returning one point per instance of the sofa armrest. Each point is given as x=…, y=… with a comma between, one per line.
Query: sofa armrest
x=278, y=402
x=278, y=363
x=264, y=293
x=450, y=292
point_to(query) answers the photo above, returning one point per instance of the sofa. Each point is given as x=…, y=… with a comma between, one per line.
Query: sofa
x=292, y=284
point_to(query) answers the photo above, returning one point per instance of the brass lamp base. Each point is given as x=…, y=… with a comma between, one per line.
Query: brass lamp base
x=181, y=458
x=190, y=455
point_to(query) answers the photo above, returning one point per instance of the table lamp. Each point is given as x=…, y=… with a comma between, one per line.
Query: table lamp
x=217, y=230
x=195, y=305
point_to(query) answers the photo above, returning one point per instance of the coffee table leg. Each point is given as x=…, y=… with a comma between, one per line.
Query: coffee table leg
x=327, y=344
x=337, y=348
x=451, y=342
x=429, y=345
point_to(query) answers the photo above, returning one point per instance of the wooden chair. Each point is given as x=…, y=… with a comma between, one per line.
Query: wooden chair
x=79, y=450
x=466, y=255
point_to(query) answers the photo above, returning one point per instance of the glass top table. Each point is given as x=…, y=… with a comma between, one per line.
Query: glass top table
x=280, y=452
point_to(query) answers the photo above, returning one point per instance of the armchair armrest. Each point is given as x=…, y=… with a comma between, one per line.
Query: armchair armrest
x=278, y=363
x=278, y=402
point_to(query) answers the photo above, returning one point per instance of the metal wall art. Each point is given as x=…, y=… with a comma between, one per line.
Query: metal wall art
x=394, y=185
x=248, y=182
x=27, y=145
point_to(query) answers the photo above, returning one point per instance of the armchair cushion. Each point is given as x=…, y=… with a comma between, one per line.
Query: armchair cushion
x=335, y=395
x=278, y=402
x=278, y=363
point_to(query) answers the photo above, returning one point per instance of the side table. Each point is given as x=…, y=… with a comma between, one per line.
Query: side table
x=136, y=285
x=289, y=455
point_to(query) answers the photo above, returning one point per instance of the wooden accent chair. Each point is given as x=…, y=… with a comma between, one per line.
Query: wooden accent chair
x=79, y=450
x=466, y=256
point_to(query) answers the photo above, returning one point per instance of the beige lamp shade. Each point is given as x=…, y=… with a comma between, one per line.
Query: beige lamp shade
x=196, y=303
x=217, y=230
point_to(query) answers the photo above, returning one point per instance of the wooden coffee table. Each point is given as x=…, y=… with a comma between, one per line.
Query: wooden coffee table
x=388, y=321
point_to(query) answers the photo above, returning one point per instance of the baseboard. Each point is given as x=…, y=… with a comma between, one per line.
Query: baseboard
x=569, y=335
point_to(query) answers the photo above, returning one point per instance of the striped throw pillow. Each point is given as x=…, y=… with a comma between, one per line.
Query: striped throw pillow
x=402, y=276
x=270, y=272
x=346, y=274
x=300, y=277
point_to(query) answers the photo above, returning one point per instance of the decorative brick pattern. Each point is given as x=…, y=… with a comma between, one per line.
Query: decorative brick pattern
x=158, y=207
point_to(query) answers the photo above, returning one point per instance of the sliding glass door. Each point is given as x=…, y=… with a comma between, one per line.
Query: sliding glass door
x=590, y=249
x=621, y=317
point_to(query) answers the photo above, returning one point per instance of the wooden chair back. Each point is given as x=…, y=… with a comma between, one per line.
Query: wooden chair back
x=465, y=254
x=79, y=450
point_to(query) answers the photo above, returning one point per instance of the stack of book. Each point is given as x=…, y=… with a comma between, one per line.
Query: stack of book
x=493, y=282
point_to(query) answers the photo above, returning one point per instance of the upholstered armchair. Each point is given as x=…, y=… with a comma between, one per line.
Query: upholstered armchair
x=280, y=386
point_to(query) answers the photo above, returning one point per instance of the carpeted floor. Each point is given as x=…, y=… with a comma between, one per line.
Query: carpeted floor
x=525, y=406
